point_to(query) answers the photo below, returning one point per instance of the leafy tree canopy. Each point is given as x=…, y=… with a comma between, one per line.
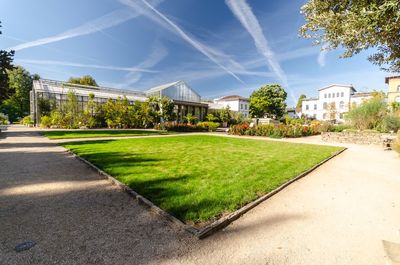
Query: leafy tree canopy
x=299, y=104
x=20, y=84
x=6, y=58
x=356, y=25
x=84, y=80
x=268, y=101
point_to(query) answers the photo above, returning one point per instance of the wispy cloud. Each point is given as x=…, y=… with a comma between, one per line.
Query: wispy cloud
x=158, y=54
x=217, y=57
x=104, y=22
x=322, y=55
x=246, y=17
x=93, y=66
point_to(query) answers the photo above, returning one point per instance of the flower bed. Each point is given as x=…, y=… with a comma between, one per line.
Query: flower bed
x=275, y=131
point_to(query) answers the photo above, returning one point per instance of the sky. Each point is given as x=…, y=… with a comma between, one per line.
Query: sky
x=218, y=47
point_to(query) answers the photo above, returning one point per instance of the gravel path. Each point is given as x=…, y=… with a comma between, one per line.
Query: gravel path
x=339, y=214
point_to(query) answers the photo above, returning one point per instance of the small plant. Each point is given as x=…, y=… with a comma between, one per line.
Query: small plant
x=27, y=121
x=45, y=121
x=210, y=126
x=3, y=119
x=190, y=118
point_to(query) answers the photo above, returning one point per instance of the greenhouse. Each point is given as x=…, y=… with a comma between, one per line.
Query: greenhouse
x=185, y=99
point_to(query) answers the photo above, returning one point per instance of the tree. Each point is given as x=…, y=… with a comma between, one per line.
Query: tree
x=268, y=101
x=86, y=80
x=225, y=114
x=356, y=26
x=167, y=106
x=20, y=84
x=6, y=58
x=299, y=104
x=369, y=114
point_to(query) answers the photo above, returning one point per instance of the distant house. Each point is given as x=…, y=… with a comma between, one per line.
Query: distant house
x=394, y=89
x=332, y=102
x=234, y=102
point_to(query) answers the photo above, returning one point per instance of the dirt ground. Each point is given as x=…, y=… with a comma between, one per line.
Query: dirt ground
x=338, y=214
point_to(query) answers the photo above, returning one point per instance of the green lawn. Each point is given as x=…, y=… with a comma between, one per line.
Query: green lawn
x=198, y=178
x=68, y=134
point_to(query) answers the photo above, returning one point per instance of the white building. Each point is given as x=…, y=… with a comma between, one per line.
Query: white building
x=234, y=102
x=332, y=102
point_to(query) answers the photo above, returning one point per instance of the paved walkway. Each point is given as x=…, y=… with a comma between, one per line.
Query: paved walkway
x=339, y=214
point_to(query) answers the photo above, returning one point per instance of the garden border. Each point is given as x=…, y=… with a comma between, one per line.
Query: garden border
x=214, y=226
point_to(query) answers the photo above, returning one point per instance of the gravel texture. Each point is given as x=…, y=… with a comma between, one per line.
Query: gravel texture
x=338, y=214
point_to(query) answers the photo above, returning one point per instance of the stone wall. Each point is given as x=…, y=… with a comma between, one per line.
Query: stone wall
x=354, y=137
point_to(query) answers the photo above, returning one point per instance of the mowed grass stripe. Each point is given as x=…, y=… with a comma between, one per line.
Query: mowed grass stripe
x=199, y=178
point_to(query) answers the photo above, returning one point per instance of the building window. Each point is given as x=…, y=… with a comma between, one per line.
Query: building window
x=325, y=95
x=245, y=106
x=333, y=95
x=325, y=105
x=341, y=105
x=341, y=115
x=306, y=107
x=398, y=88
x=315, y=106
x=397, y=99
x=324, y=116
x=342, y=94
x=241, y=106
x=314, y=116
x=329, y=95
x=337, y=94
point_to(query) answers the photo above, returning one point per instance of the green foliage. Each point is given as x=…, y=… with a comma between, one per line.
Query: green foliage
x=3, y=119
x=9, y=108
x=166, y=109
x=6, y=58
x=390, y=123
x=299, y=104
x=275, y=131
x=45, y=122
x=45, y=106
x=368, y=114
x=27, y=120
x=190, y=118
x=225, y=114
x=355, y=26
x=208, y=125
x=211, y=117
x=84, y=80
x=268, y=101
x=214, y=176
x=20, y=84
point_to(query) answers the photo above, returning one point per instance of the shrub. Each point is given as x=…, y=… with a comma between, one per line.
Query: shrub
x=369, y=114
x=27, y=120
x=57, y=119
x=45, y=122
x=390, y=123
x=209, y=126
x=3, y=119
x=275, y=131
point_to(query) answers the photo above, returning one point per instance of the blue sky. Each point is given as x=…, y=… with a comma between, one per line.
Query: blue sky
x=218, y=47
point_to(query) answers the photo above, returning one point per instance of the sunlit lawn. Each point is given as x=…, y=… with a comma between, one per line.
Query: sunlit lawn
x=68, y=134
x=198, y=178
